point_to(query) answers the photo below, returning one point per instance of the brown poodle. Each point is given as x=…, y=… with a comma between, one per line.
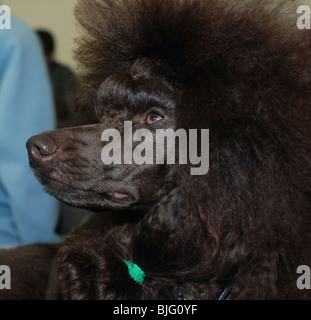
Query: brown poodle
x=241, y=69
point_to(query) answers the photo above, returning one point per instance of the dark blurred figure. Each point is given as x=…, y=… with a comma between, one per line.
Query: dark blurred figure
x=62, y=79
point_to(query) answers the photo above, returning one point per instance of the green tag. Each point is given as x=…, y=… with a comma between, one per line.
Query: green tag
x=135, y=272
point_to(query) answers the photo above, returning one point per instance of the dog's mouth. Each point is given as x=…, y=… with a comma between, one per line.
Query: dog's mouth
x=119, y=195
x=63, y=187
x=77, y=196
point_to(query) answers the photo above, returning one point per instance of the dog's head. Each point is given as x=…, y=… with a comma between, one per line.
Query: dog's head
x=238, y=68
x=77, y=165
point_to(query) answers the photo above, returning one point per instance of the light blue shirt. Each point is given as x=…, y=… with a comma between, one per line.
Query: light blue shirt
x=27, y=214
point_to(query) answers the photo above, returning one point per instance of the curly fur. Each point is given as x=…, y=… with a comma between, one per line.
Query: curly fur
x=241, y=69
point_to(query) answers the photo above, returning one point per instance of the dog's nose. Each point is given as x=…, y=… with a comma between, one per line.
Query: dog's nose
x=41, y=149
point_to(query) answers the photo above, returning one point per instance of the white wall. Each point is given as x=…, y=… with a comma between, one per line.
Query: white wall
x=53, y=15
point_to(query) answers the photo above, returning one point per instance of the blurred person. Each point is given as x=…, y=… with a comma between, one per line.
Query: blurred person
x=27, y=213
x=62, y=79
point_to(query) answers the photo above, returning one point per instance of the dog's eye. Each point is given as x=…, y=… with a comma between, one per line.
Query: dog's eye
x=153, y=118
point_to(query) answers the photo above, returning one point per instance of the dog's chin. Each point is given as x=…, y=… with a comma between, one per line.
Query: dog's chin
x=88, y=199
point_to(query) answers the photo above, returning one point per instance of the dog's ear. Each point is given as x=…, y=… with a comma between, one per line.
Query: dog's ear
x=254, y=98
x=173, y=234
